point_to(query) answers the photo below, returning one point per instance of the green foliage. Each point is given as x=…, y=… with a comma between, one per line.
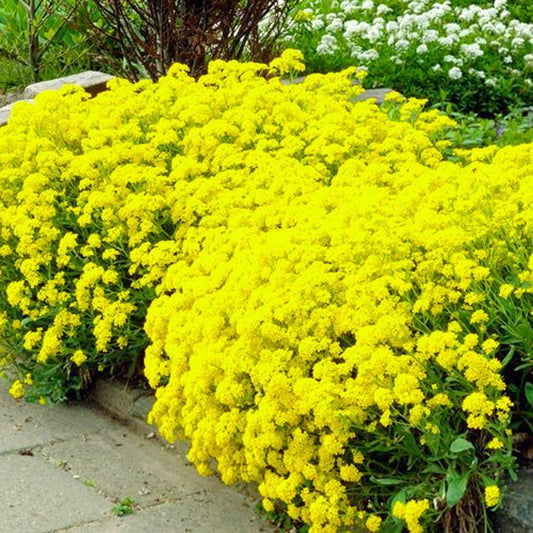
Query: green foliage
x=477, y=55
x=473, y=131
x=42, y=40
x=124, y=507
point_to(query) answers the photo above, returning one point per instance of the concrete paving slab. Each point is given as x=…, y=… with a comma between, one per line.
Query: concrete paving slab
x=35, y=424
x=19, y=429
x=122, y=464
x=36, y=497
x=173, y=518
x=64, y=467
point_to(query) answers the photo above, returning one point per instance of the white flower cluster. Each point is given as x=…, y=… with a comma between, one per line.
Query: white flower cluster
x=437, y=34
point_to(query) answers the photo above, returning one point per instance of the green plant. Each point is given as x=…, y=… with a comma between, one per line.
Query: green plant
x=477, y=55
x=144, y=38
x=39, y=34
x=126, y=506
x=318, y=296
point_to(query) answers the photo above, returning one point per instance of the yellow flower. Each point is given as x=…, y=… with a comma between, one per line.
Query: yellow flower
x=78, y=357
x=289, y=60
x=495, y=444
x=490, y=346
x=479, y=317
x=17, y=390
x=492, y=495
x=411, y=512
x=373, y=523
x=506, y=290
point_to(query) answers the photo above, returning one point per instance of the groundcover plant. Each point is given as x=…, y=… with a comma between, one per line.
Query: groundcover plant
x=326, y=305
x=478, y=55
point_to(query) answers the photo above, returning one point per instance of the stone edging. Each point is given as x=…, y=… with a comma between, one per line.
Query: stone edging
x=131, y=406
x=92, y=81
x=124, y=402
x=95, y=82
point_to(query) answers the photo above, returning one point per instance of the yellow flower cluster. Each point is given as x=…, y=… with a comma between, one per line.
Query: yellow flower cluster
x=411, y=513
x=315, y=273
x=492, y=495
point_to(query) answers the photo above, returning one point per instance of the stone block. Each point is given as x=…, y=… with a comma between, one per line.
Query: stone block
x=516, y=513
x=377, y=94
x=92, y=81
x=5, y=112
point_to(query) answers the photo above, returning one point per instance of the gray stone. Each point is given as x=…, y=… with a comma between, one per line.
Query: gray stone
x=142, y=407
x=92, y=81
x=5, y=112
x=516, y=513
x=377, y=94
x=36, y=497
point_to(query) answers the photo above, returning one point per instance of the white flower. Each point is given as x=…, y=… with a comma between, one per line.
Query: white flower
x=382, y=9
x=328, y=45
x=436, y=68
x=471, y=51
x=430, y=36
x=402, y=44
x=452, y=27
x=348, y=7
x=455, y=73
x=391, y=26
x=369, y=55
x=367, y=5
x=446, y=41
x=317, y=24
x=373, y=34
x=334, y=26
x=421, y=49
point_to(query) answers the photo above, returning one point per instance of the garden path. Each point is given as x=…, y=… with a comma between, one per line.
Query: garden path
x=64, y=468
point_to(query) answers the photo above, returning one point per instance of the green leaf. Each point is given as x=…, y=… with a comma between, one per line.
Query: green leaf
x=529, y=393
x=456, y=487
x=387, y=480
x=411, y=445
x=433, y=469
x=507, y=359
x=460, y=445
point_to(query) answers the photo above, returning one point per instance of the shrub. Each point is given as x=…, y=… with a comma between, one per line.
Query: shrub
x=142, y=38
x=478, y=55
x=332, y=309
x=41, y=39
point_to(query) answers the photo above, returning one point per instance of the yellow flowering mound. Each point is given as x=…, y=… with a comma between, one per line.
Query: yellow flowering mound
x=326, y=297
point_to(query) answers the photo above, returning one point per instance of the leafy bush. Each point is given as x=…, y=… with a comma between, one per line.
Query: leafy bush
x=476, y=55
x=332, y=309
x=45, y=39
x=143, y=38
